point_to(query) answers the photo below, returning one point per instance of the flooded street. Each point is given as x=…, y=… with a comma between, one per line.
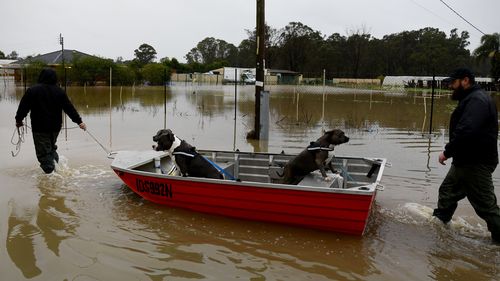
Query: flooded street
x=82, y=223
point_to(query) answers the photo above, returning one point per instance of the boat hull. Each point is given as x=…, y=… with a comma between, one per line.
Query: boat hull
x=324, y=209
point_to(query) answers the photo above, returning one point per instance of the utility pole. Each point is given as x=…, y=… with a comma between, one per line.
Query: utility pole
x=261, y=64
x=432, y=103
x=61, y=41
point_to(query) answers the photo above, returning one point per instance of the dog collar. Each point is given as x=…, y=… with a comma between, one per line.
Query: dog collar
x=315, y=146
x=319, y=148
x=184, y=154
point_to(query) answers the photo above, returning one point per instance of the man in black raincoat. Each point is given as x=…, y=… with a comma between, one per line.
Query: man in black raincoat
x=46, y=101
x=474, y=149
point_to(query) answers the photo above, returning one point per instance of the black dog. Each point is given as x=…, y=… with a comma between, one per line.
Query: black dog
x=189, y=162
x=313, y=157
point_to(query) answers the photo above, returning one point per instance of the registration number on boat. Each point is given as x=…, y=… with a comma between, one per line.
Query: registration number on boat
x=155, y=188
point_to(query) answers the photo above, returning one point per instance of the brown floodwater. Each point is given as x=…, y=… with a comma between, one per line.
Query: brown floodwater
x=82, y=223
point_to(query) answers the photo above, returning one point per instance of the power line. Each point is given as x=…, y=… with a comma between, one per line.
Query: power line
x=431, y=12
x=461, y=16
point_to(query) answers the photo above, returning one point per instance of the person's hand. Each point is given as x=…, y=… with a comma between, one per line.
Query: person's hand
x=442, y=158
x=19, y=124
x=83, y=126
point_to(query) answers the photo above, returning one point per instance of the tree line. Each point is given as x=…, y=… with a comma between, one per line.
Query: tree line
x=297, y=47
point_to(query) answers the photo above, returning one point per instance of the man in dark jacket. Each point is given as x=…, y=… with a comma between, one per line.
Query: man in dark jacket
x=473, y=147
x=46, y=101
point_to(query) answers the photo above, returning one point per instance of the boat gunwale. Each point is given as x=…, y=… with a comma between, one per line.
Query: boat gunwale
x=370, y=191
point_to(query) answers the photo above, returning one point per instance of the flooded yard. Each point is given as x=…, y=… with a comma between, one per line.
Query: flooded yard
x=82, y=223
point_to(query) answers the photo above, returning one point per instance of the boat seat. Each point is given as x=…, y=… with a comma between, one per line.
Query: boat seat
x=316, y=179
x=275, y=172
x=228, y=167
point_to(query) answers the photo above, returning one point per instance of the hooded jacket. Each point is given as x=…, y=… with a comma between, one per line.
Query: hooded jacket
x=473, y=129
x=46, y=101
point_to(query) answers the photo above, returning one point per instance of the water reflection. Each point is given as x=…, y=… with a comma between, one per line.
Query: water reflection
x=347, y=109
x=20, y=240
x=180, y=244
x=52, y=221
x=55, y=219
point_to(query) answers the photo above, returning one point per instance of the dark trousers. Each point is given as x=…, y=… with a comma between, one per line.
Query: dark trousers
x=475, y=183
x=46, y=150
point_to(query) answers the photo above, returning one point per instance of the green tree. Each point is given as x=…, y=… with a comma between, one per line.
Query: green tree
x=373, y=65
x=398, y=50
x=299, y=48
x=90, y=69
x=13, y=56
x=246, y=53
x=298, y=44
x=173, y=65
x=355, y=49
x=176, y=66
x=2, y=55
x=246, y=50
x=211, y=50
x=32, y=71
x=123, y=75
x=431, y=53
x=490, y=49
x=334, y=53
x=145, y=54
x=154, y=73
x=458, y=47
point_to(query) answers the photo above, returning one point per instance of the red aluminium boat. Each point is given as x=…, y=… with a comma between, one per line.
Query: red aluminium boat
x=340, y=205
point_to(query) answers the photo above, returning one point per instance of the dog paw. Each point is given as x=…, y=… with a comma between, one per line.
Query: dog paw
x=327, y=178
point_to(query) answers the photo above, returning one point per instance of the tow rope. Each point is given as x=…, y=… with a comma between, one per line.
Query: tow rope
x=19, y=141
x=109, y=153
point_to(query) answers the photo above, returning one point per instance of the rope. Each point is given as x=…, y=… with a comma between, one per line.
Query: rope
x=90, y=134
x=19, y=141
x=62, y=128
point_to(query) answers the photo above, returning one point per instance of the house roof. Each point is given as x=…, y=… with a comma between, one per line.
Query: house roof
x=54, y=57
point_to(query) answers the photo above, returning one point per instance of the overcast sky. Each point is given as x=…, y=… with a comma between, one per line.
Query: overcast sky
x=114, y=29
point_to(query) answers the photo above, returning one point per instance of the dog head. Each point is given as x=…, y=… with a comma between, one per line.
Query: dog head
x=164, y=138
x=334, y=137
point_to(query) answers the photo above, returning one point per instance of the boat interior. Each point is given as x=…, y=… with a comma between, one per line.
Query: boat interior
x=350, y=172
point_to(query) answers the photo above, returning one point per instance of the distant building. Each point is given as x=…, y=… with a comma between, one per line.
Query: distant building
x=285, y=76
x=4, y=62
x=54, y=58
x=272, y=76
x=426, y=82
x=7, y=72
